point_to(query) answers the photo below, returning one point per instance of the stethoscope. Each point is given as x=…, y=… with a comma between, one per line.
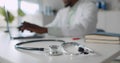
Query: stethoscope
x=53, y=49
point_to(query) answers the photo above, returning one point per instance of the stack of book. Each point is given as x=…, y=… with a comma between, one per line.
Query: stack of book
x=94, y=38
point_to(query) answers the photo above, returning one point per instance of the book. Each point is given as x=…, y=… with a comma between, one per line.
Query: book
x=102, y=42
x=102, y=39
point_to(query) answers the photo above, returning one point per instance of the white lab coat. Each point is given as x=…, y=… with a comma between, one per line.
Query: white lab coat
x=84, y=21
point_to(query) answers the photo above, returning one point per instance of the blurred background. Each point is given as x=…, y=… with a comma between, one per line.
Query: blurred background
x=42, y=12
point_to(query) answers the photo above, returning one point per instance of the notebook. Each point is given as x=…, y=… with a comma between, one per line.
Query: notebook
x=103, y=37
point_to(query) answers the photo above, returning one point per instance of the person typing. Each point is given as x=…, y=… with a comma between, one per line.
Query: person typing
x=78, y=18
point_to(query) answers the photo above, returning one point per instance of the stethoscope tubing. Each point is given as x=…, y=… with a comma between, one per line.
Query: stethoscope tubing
x=18, y=45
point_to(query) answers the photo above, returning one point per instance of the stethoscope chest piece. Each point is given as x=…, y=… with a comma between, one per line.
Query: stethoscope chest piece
x=55, y=50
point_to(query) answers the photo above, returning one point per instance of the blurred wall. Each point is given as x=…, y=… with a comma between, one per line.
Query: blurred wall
x=57, y=4
x=113, y=4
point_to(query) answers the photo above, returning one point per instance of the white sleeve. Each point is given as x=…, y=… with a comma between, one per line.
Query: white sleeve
x=89, y=18
x=53, y=29
x=55, y=21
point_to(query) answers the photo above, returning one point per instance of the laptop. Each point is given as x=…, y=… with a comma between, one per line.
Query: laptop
x=14, y=33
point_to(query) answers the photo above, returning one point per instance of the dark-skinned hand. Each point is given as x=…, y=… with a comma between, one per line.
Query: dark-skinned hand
x=32, y=28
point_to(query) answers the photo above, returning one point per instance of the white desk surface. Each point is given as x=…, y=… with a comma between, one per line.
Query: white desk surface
x=105, y=53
